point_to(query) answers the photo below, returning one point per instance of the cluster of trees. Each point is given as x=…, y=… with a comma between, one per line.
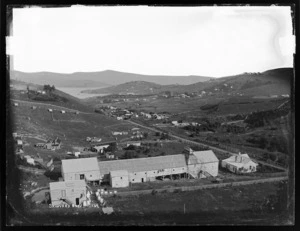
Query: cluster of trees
x=49, y=88
x=272, y=144
x=261, y=118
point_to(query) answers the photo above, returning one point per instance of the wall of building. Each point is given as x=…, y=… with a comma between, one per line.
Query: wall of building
x=119, y=181
x=71, y=195
x=76, y=175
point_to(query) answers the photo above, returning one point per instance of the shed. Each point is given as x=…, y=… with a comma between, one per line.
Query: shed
x=78, y=169
x=119, y=179
x=68, y=192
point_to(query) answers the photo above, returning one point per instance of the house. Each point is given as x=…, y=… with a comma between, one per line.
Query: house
x=68, y=193
x=50, y=110
x=240, y=163
x=29, y=160
x=137, y=144
x=119, y=179
x=117, y=133
x=52, y=145
x=63, y=112
x=33, y=107
x=99, y=148
x=80, y=169
x=19, y=143
x=109, y=156
x=16, y=104
x=195, y=164
x=119, y=118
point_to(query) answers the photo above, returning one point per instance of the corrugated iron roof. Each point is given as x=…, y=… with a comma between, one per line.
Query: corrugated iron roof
x=241, y=160
x=143, y=164
x=206, y=156
x=80, y=165
x=119, y=173
x=67, y=184
x=156, y=163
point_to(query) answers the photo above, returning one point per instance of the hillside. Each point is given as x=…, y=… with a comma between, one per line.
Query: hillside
x=101, y=78
x=18, y=91
x=276, y=81
x=134, y=87
x=272, y=82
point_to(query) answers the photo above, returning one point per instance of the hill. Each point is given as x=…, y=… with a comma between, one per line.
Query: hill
x=101, y=78
x=59, y=80
x=134, y=87
x=272, y=82
x=18, y=91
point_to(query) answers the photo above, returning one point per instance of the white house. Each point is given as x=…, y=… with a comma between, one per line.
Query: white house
x=119, y=118
x=16, y=104
x=63, y=112
x=68, y=192
x=29, y=160
x=240, y=163
x=137, y=144
x=119, y=179
x=50, y=110
x=100, y=148
x=81, y=169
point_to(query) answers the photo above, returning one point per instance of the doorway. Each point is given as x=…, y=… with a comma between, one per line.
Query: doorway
x=77, y=201
x=142, y=180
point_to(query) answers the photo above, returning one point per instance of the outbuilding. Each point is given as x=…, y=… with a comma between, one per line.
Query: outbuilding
x=119, y=179
x=80, y=169
x=68, y=192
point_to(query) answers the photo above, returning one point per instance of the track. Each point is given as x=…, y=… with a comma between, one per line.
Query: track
x=211, y=147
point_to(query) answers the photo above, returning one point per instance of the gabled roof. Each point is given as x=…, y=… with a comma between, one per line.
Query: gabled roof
x=206, y=156
x=143, y=164
x=67, y=184
x=239, y=159
x=119, y=173
x=80, y=165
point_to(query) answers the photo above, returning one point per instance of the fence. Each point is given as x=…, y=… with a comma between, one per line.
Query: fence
x=199, y=187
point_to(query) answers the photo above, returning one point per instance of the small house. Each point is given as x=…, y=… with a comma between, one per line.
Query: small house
x=68, y=192
x=116, y=133
x=99, y=148
x=33, y=107
x=240, y=163
x=80, y=169
x=109, y=156
x=119, y=179
x=16, y=104
x=119, y=118
x=29, y=160
x=137, y=144
x=50, y=110
x=19, y=142
x=63, y=112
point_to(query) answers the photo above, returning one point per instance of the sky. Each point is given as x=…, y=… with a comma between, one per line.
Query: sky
x=206, y=41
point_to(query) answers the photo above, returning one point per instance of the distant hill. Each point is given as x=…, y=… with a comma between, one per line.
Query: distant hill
x=272, y=82
x=59, y=80
x=134, y=87
x=276, y=81
x=101, y=78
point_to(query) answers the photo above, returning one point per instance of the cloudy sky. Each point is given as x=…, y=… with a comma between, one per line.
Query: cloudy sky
x=207, y=41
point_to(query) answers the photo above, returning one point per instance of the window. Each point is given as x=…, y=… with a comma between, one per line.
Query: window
x=121, y=178
x=134, y=173
x=132, y=179
x=81, y=176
